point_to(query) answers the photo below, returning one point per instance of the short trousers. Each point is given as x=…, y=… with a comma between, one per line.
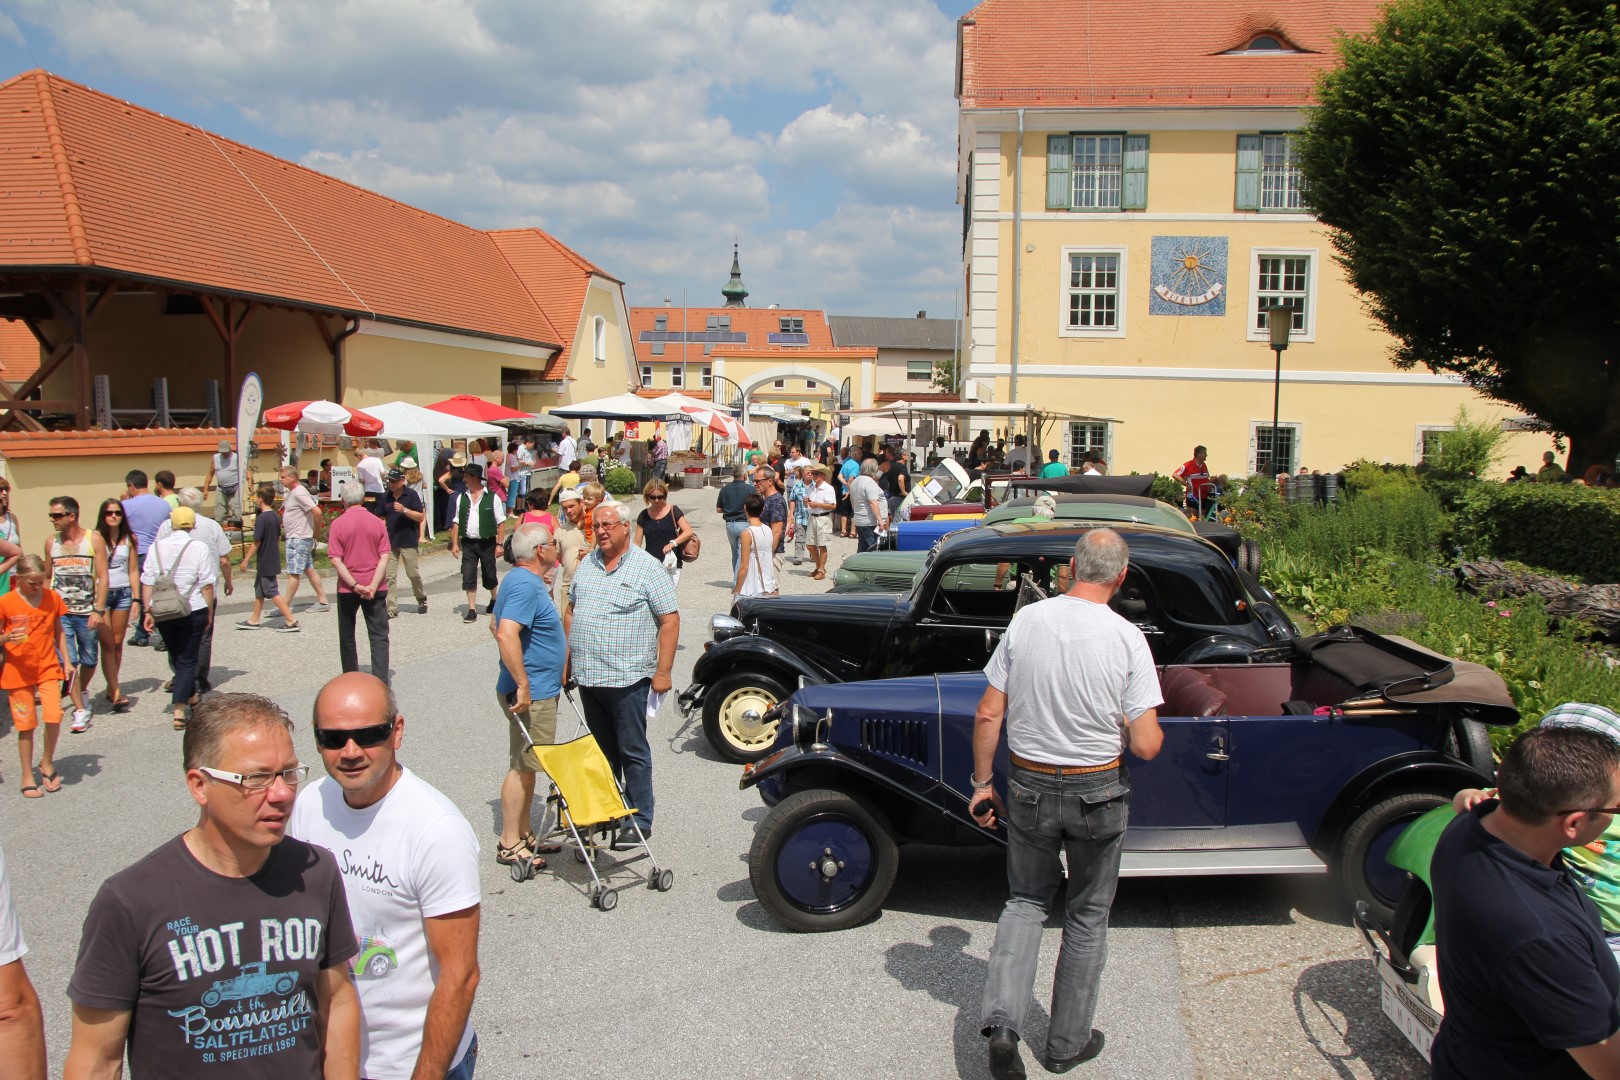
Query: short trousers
x=819, y=531
x=540, y=720
x=300, y=555
x=120, y=597
x=23, y=716
x=83, y=643
x=266, y=588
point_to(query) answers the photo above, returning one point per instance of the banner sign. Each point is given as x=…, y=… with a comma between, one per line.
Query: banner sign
x=247, y=422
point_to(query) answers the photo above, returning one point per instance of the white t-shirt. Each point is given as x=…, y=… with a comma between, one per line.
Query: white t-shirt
x=1018, y=457
x=472, y=513
x=566, y=450
x=206, y=530
x=797, y=461
x=188, y=559
x=12, y=945
x=1074, y=673
x=410, y=857
x=371, y=473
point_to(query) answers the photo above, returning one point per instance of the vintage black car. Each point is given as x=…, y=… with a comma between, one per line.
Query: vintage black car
x=1183, y=592
x=1309, y=761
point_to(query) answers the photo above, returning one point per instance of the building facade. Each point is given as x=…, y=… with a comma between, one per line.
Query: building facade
x=1133, y=206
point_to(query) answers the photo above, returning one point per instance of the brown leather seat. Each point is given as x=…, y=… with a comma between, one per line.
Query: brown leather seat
x=1189, y=692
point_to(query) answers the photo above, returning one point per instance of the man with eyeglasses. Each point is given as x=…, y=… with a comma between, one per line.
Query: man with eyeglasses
x=226, y=950
x=622, y=625
x=1530, y=983
x=774, y=514
x=76, y=559
x=410, y=861
x=529, y=634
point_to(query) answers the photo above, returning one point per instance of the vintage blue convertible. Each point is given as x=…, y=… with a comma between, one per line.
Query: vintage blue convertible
x=1309, y=762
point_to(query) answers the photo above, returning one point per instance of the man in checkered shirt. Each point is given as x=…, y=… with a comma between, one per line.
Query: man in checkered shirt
x=622, y=626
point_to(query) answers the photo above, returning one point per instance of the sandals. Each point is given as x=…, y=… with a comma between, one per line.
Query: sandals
x=53, y=780
x=179, y=723
x=123, y=704
x=30, y=791
x=518, y=852
x=541, y=847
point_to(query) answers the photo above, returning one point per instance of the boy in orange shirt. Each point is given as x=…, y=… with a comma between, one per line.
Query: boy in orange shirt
x=34, y=645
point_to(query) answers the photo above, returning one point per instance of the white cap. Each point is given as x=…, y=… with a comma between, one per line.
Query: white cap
x=569, y=495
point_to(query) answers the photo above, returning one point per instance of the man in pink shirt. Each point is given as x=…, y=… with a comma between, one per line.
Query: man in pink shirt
x=357, y=545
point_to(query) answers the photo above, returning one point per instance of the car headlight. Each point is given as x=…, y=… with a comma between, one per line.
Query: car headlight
x=809, y=726
x=722, y=627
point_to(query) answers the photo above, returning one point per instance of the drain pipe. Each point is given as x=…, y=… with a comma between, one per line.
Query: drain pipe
x=1018, y=254
x=337, y=357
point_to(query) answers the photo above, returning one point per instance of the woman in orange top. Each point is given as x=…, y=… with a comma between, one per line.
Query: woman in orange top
x=34, y=646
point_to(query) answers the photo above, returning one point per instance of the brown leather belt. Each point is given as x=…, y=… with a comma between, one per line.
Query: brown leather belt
x=1061, y=770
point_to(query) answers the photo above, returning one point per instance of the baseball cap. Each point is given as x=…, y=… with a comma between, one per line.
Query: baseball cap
x=569, y=495
x=395, y=474
x=1586, y=717
x=183, y=517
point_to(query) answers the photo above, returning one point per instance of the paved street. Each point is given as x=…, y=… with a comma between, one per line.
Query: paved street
x=1247, y=977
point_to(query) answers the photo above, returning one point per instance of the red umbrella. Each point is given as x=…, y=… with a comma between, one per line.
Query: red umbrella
x=323, y=418
x=472, y=407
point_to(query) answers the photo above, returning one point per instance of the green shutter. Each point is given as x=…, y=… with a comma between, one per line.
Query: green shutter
x=1134, y=195
x=1248, y=172
x=1059, y=163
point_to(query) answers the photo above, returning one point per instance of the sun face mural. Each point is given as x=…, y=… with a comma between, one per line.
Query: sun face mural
x=1189, y=275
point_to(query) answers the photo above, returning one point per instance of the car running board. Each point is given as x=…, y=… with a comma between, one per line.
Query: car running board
x=1229, y=861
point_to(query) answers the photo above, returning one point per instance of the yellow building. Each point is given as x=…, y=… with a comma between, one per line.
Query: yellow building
x=1134, y=205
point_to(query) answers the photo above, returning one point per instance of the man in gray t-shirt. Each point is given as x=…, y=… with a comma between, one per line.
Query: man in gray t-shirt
x=1075, y=684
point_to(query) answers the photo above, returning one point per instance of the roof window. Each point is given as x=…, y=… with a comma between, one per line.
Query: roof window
x=1265, y=43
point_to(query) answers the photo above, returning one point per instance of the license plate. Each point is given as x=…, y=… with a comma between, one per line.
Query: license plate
x=1408, y=1014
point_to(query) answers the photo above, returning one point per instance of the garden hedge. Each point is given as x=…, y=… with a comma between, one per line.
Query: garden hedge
x=1566, y=528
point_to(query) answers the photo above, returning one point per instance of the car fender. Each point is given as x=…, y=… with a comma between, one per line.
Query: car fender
x=759, y=653
x=1418, y=768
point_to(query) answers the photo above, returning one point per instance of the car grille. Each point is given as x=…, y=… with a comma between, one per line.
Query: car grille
x=905, y=739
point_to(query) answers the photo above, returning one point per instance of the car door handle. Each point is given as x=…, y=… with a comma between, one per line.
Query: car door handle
x=1216, y=755
x=1217, y=750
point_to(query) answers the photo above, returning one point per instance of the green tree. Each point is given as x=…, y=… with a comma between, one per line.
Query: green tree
x=1466, y=158
x=947, y=374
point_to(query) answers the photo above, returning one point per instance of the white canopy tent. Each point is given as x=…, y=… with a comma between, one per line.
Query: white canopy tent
x=622, y=407
x=1035, y=417
x=402, y=420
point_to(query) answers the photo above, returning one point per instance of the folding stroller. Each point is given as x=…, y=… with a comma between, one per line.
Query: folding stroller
x=590, y=809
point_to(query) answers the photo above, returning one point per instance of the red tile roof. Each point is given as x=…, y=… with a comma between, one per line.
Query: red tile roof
x=39, y=444
x=87, y=180
x=1149, y=53
x=557, y=277
x=757, y=323
x=19, y=351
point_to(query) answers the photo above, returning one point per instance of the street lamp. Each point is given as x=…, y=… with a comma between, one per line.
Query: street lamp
x=1279, y=320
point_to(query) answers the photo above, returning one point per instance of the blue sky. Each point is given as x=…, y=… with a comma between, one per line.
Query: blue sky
x=821, y=134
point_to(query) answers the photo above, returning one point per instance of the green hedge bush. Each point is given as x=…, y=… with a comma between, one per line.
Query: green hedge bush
x=1566, y=528
x=619, y=481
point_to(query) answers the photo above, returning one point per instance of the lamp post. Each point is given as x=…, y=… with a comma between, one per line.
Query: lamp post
x=1279, y=320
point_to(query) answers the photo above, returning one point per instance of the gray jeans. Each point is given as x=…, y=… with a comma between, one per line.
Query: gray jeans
x=1085, y=816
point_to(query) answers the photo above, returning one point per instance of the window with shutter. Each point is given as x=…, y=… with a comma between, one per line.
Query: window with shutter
x=1136, y=168
x=1248, y=172
x=1059, y=165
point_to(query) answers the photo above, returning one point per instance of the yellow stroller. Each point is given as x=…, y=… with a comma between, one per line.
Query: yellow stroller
x=590, y=808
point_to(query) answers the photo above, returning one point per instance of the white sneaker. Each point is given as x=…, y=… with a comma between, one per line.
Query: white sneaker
x=81, y=721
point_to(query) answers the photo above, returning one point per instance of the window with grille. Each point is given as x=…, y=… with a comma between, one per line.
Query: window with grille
x=1096, y=172
x=1282, y=185
x=1273, y=451
x=1083, y=439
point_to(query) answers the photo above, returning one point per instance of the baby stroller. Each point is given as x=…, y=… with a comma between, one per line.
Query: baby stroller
x=590, y=810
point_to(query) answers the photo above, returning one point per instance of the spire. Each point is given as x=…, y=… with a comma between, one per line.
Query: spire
x=735, y=291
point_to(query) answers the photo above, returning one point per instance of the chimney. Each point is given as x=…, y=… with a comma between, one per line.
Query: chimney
x=922, y=314
x=666, y=301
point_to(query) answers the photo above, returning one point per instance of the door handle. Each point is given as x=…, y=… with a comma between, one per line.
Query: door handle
x=1216, y=755
x=1217, y=749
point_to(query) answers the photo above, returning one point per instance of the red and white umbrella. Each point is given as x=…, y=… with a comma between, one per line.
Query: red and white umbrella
x=323, y=418
x=721, y=424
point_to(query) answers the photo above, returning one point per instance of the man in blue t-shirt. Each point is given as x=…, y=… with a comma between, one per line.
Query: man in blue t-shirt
x=145, y=513
x=1529, y=980
x=529, y=631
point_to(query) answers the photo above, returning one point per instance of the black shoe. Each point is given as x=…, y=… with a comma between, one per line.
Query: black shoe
x=1092, y=1048
x=1005, y=1064
x=158, y=646
x=140, y=641
x=421, y=607
x=627, y=840
x=471, y=616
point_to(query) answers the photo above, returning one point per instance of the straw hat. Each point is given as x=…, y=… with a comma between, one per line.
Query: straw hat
x=458, y=459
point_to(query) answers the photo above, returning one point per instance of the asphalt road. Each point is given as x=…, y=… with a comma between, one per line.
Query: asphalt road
x=1225, y=977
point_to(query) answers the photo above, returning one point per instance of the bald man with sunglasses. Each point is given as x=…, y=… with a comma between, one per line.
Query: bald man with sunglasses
x=410, y=862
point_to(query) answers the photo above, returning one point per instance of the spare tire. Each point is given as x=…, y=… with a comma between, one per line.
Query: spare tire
x=1469, y=741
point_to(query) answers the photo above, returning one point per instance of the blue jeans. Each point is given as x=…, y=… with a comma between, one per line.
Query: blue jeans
x=734, y=531
x=617, y=716
x=866, y=538
x=84, y=646
x=1085, y=815
x=469, y=1061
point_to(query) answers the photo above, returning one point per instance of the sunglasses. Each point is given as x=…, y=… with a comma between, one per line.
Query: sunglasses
x=364, y=737
x=657, y=498
x=59, y=514
x=1592, y=810
x=113, y=513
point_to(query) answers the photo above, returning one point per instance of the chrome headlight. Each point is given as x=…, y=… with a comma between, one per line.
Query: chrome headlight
x=809, y=726
x=722, y=627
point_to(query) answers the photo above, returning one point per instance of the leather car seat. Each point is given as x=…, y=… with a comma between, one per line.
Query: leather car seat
x=1189, y=692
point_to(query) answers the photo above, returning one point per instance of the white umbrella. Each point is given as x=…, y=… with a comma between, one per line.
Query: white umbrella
x=619, y=407
x=402, y=420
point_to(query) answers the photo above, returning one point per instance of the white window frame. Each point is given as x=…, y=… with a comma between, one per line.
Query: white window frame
x=1289, y=178
x=599, y=339
x=779, y=384
x=1099, y=175
x=677, y=376
x=706, y=377
x=1067, y=450
x=1254, y=442
x=1121, y=292
x=1417, y=441
x=927, y=375
x=646, y=375
x=1252, y=308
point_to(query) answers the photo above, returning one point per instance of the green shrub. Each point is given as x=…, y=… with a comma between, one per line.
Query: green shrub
x=619, y=481
x=1167, y=489
x=1468, y=450
x=1256, y=507
x=1566, y=528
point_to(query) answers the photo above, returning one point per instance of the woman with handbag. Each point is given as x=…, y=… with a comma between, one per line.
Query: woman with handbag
x=756, y=573
x=662, y=530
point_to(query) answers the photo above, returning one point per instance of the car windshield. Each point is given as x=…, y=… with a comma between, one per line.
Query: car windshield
x=947, y=486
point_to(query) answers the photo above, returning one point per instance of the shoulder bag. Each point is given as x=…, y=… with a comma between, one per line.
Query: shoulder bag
x=693, y=546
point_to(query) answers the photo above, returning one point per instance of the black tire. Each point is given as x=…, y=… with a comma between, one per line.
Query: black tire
x=608, y=900
x=862, y=848
x=664, y=881
x=723, y=708
x=1248, y=559
x=1469, y=741
x=1369, y=836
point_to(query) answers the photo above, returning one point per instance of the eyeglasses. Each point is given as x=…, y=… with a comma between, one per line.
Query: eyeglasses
x=259, y=781
x=59, y=514
x=613, y=524
x=1592, y=810
x=657, y=498
x=364, y=737
x=113, y=513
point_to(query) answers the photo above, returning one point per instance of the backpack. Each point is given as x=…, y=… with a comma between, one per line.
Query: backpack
x=167, y=602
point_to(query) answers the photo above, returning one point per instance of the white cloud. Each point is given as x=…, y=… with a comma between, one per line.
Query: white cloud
x=606, y=123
